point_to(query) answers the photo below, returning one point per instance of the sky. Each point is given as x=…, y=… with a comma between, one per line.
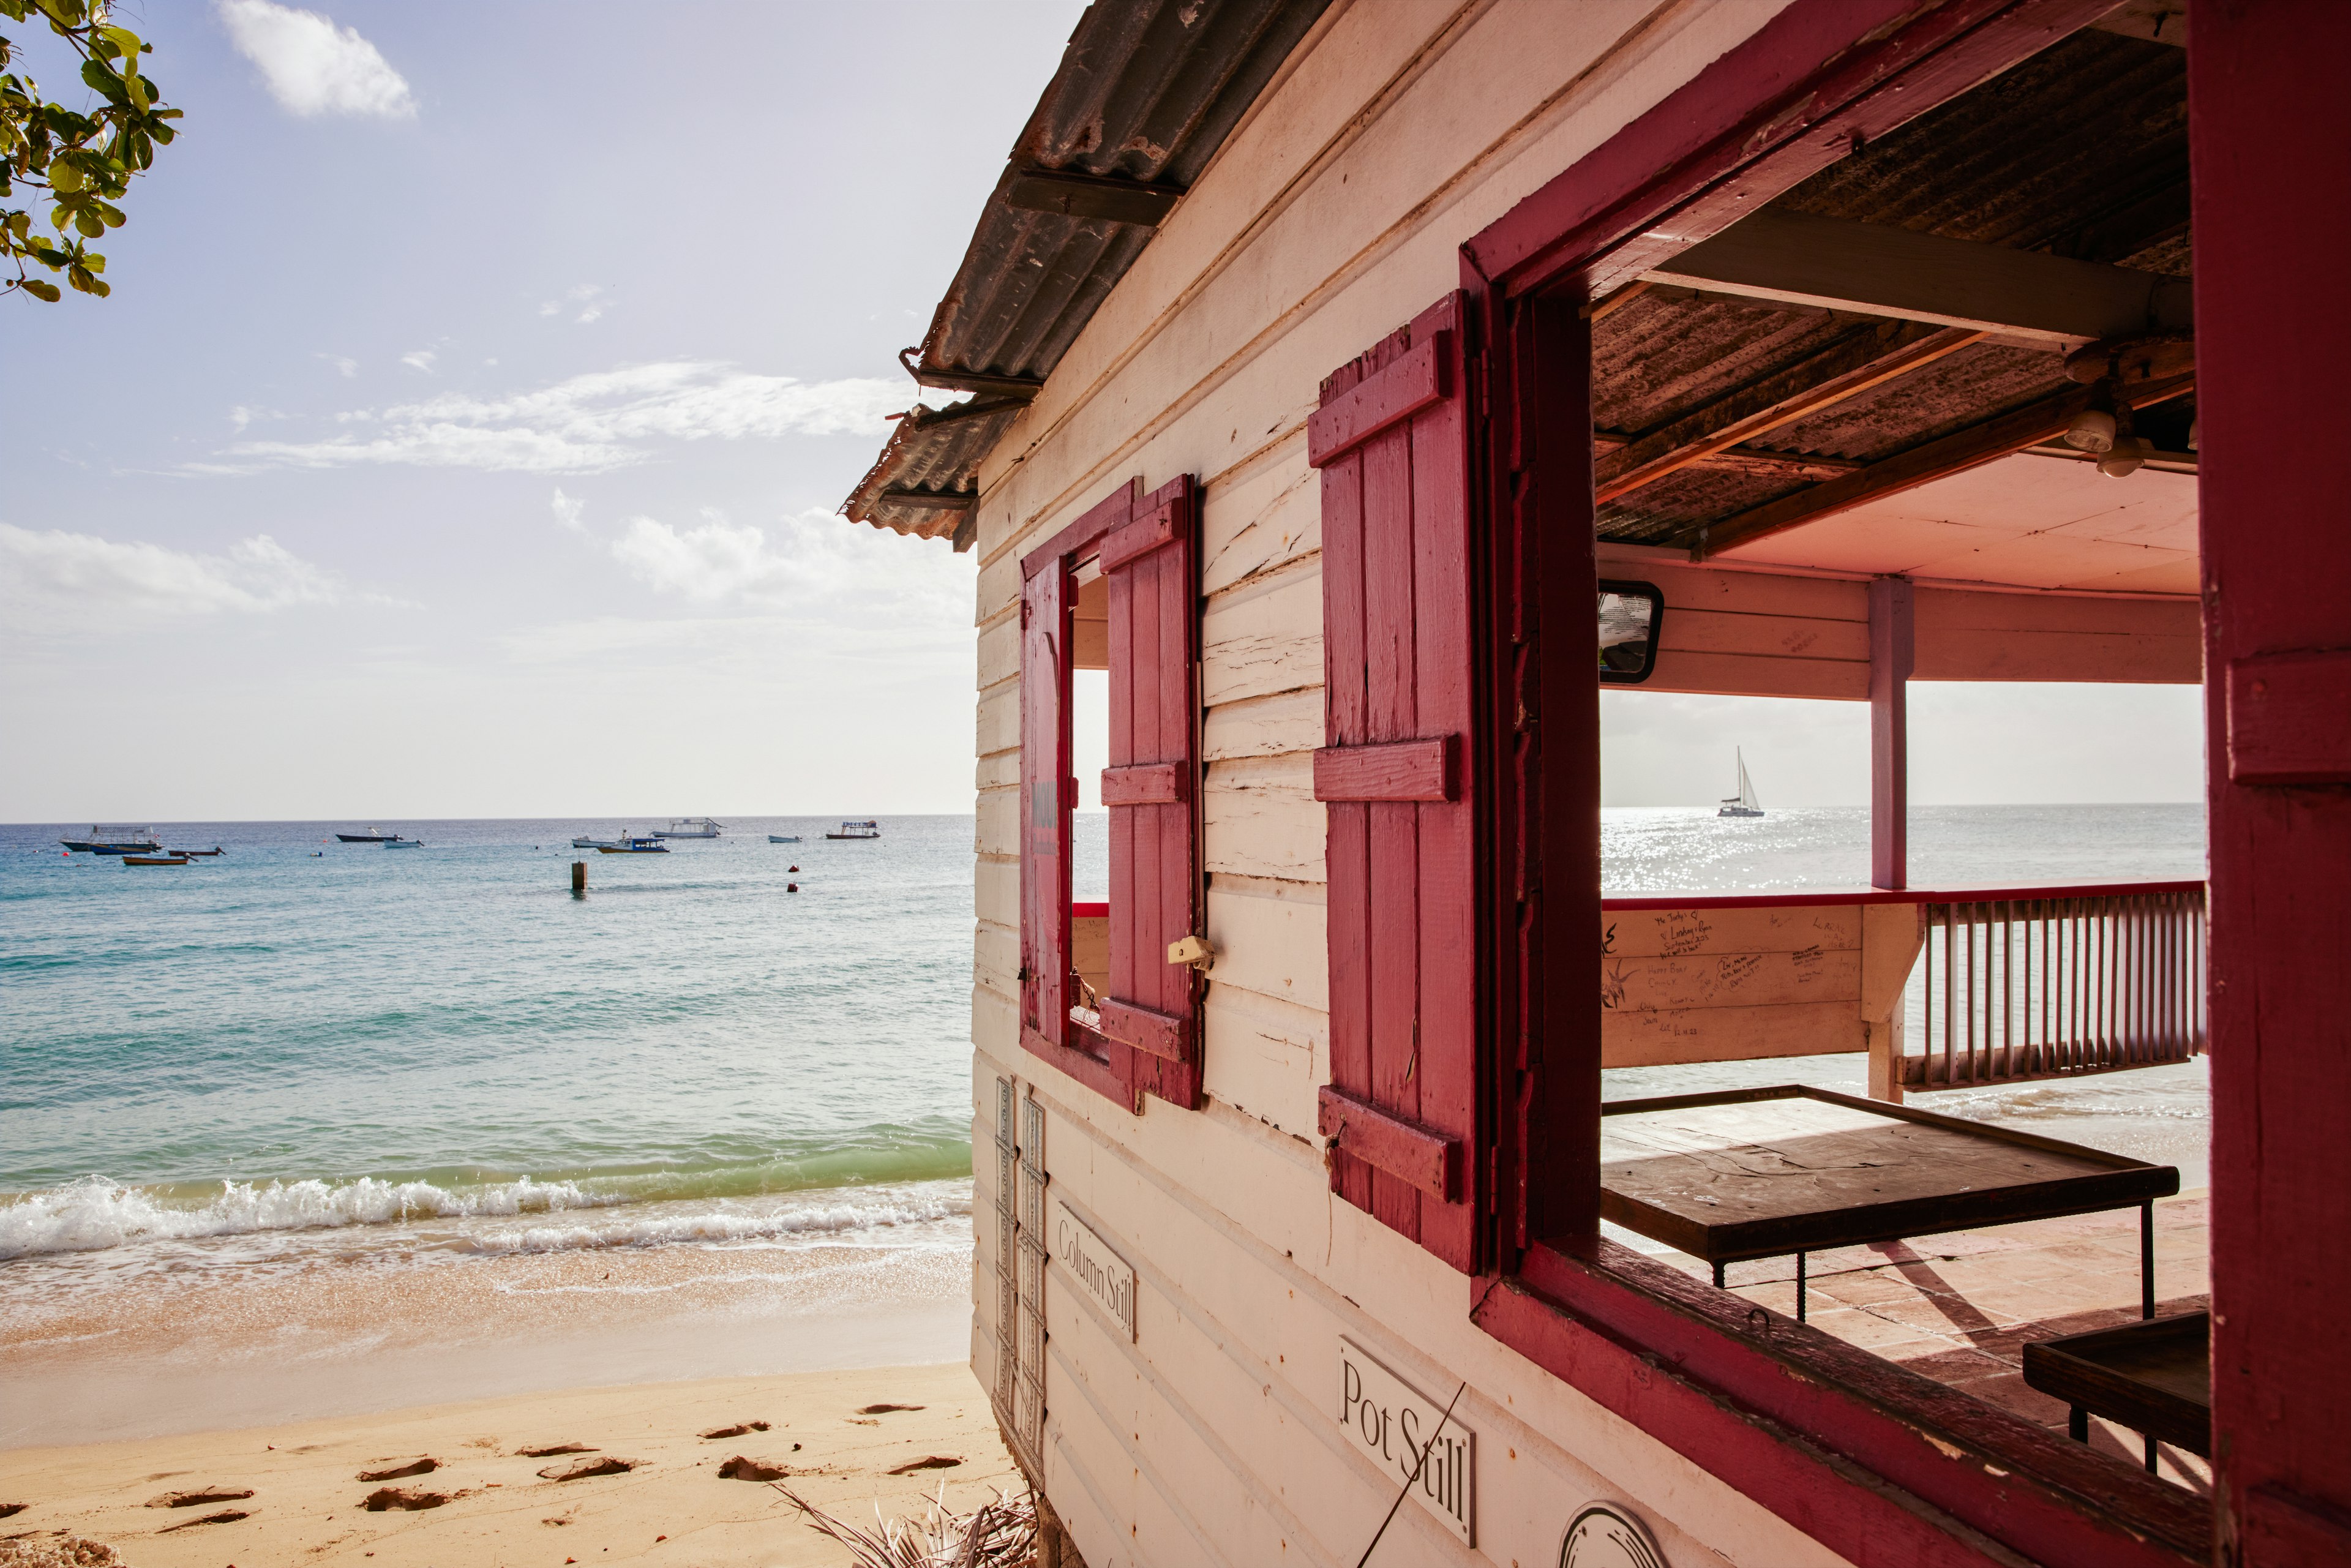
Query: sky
x=465, y=433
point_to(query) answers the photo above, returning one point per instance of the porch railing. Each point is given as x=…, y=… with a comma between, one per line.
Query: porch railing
x=2052, y=983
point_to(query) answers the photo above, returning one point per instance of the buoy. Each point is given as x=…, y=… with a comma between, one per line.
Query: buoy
x=791, y=868
x=792, y=887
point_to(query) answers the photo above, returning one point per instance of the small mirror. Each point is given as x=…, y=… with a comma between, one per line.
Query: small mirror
x=1631, y=614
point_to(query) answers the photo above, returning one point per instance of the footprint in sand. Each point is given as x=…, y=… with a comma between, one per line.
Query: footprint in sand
x=548, y=1453
x=744, y=1430
x=740, y=1469
x=930, y=1462
x=407, y=1499
x=582, y=1469
x=201, y=1496
x=225, y=1516
x=423, y=1467
x=10, y=1510
x=885, y=1409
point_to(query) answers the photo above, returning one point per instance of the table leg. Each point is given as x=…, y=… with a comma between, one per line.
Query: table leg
x=1799, y=1287
x=2146, y=1271
x=2077, y=1425
x=1718, y=1276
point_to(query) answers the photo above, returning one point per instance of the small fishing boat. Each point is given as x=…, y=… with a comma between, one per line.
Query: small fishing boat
x=634, y=844
x=783, y=838
x=199, y=854
x=105, y=840
x=689, y=827
x=1744, y=803
x=397, y=843
x=857, y=831
x=154, y=860
x=372, y=836
x=585, y=842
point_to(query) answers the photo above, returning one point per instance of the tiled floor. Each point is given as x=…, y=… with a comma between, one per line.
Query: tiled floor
x=1960, y=1308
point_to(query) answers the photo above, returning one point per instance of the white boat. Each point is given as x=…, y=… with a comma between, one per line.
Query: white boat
x=1744, y=803
x=857, y=831
x=397, y=843
x=585, y=842
x=783, y=838
x=634, y=844
x=689, y=827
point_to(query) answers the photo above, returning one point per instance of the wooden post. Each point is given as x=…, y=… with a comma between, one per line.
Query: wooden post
x=1890, y=938
x=1892, y=644
x=579, y=879
x=2262, y=80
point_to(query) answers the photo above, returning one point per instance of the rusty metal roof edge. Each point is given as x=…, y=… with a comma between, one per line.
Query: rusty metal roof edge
x=919, y=427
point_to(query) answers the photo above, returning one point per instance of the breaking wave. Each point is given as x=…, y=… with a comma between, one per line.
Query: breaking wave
x=94, y=1214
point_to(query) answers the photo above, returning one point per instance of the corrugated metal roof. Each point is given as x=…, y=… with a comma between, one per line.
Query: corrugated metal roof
x=2080, y=151
x=1147, y=91
x=924, y=481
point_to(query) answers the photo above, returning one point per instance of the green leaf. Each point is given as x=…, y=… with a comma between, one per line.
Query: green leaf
x=40, y=290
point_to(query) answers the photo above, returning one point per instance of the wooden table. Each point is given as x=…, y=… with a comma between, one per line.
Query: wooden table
x=2155, y=1377
x=1761, y=1173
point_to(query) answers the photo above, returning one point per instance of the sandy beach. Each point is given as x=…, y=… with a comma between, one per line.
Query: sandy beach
x=307, y=1501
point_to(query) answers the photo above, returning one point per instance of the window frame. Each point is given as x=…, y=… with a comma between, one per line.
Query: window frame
x=1811, y=1428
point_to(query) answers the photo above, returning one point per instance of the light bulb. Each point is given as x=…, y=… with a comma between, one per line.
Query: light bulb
x=2093, y=430
x=2123, y=458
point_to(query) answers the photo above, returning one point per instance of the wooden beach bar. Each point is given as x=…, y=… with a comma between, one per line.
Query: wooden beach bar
x=1314, y=369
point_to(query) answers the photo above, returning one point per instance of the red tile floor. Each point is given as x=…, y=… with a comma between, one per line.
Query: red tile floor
x=1960, y=1308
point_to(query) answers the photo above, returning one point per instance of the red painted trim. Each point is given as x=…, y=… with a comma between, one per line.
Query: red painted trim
x=1112, y=511
x=1427, y=1160
x=1842, y=896
x=2276, y=562
x=1155, y=1033
x=1145, y=784
x=1880, y=1465
x=1893, y=655
x=1780, y=106
x=1402, y=389
x=2290, y=719
x=1090, y=1070
x=1399, y=770
x=1090, y=912
x=1155, y=530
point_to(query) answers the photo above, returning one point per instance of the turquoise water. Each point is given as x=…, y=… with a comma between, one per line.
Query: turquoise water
x=303, y=1039
x=302, y=1033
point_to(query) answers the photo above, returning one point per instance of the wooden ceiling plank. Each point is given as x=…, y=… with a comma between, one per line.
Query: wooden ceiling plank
x=1879, y=270
x=1800, y=390
x=1997, y=438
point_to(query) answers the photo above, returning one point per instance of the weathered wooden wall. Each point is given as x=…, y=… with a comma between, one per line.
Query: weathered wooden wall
x=1332, y=214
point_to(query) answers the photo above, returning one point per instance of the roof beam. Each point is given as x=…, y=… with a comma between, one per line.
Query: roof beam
x=1997, y=438
x=1141, y=202
x=1880, y=270
x=1852, y=365
x=928, y=500
x=1021, y=387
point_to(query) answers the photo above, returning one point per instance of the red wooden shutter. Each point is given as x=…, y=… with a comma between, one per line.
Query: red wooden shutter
x=1046, y=599
x=1153, y=1010
x=1392, y=439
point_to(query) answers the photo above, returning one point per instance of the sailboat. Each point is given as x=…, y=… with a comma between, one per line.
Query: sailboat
x=1744, y=803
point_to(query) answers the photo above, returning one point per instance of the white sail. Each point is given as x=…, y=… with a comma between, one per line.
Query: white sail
x=1744, y=803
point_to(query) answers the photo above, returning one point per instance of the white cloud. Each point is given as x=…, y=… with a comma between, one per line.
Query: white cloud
x=422, y=359
x=590, y=423
x=816, y=558
x=591, y=298
x=52, y=577
x=311, y=66
x=349, y=366
x=568, y=509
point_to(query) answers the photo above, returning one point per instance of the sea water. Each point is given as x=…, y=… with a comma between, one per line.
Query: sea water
x=308, y=1059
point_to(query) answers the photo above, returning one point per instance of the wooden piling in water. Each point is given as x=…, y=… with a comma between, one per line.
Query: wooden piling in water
x=579, y=879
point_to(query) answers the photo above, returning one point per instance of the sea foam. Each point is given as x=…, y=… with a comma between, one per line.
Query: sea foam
x=94, y=1213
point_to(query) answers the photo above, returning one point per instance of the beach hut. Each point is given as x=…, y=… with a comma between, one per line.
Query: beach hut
x=1326, y=365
